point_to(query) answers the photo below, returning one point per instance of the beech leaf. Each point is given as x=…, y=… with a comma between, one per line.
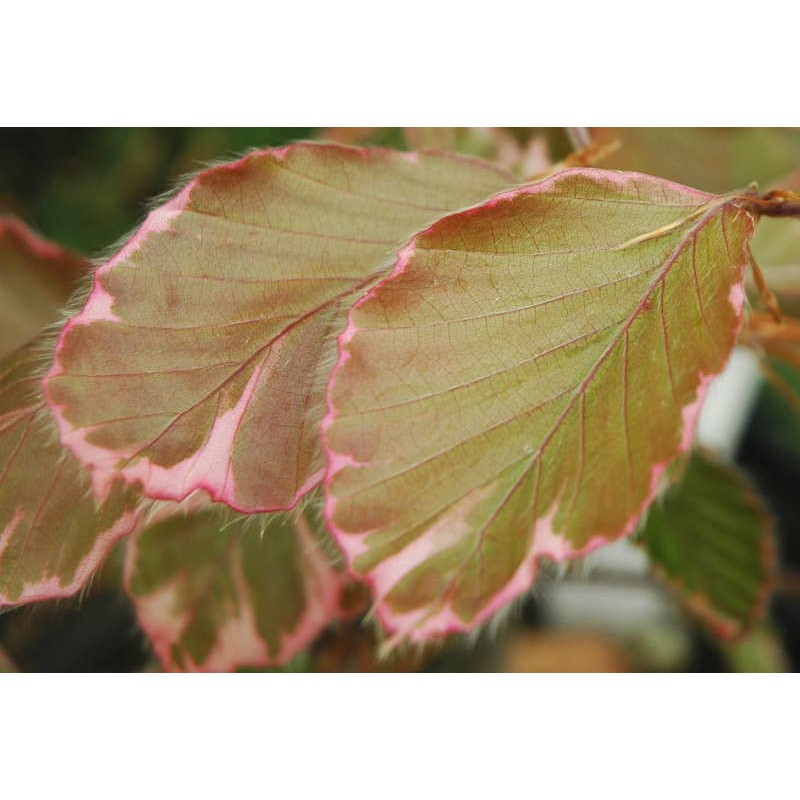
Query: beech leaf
x=53, y=531
x=515, y=389
x=36, y=279
x=201, y=355
x=216, y=593
x=711, y=538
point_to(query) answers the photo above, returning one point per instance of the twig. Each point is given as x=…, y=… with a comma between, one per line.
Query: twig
x=768, y=297
x=777, y=203
x=579, y=138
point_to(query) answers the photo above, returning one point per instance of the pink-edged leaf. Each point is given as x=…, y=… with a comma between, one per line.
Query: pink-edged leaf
x=53, y=531
x=516, y=387
x=216, y=592
x=36, y=279
x=200, y=357
x=711, y=539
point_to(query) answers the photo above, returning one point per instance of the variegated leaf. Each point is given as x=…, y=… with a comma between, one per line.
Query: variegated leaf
x=215, y=592
x=36, y=278
x=53, y=531
x=200, y=357
x=711, y=538
x=516, y=387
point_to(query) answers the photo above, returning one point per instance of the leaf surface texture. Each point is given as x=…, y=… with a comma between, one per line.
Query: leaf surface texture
x=201, y=355
x=516, y=387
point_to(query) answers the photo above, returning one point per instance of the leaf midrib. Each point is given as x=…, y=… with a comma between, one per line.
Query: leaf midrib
x=535, y=458
x=580, y=391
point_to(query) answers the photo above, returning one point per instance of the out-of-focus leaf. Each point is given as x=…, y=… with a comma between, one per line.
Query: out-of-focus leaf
x=779, y=408
x=355, y=647
x=6, y=665
x=776, y=245
x=778, y=340
x=713, y=159
x=36, y=279
x=761, y=651
x=86, y=187
x=517, y=386
x=372, y=137
x=216, y=592
x=711, y=538
x=54, y=532
x=432, y=138
x=200, y=357
x=776, y=248
x=525, y=151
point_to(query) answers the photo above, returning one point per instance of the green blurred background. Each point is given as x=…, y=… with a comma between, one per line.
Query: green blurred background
x=87, y=187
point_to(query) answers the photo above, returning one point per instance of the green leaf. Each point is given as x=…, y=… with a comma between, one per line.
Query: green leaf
x=53, y=531
x=710, y=537
x=37, y=279
x=761, y=651
x=216, y=592
x=516, y=387
x=200, y=358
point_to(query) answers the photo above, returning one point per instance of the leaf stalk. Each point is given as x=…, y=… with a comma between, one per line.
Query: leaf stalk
x=777, y=203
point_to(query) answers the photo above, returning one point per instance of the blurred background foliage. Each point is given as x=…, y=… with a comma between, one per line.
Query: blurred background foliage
x=88, y=188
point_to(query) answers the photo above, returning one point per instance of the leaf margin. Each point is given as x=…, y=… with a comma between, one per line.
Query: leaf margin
x=549, y=544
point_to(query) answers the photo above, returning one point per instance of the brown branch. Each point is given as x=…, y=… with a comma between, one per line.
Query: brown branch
x=767, y=329
x=591, y=154
x=768, y=297
x=777, y=203
x=587, y=156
